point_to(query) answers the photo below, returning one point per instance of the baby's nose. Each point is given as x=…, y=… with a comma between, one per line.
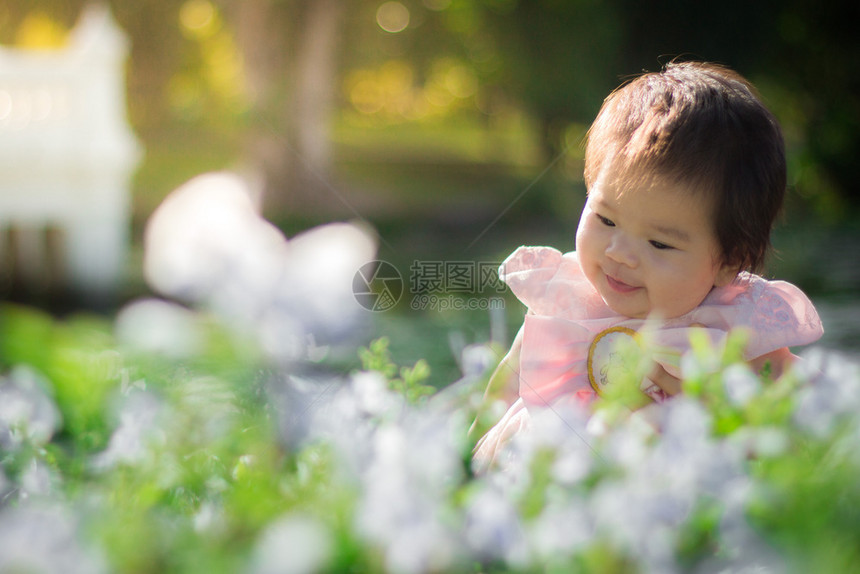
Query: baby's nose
x=621, y=250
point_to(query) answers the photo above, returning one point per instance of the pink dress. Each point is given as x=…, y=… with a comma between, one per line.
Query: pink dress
x=566, y=316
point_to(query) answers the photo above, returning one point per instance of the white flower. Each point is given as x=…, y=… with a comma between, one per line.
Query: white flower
x=492, y=527
x=837, y=366
x=5, y=485
x=628, y=447
x=207, y=245
x=562, y=529
x=308, y=409
x=37, y=480
x=293, y=544
x=316, y=285
x=741, y=383
x=426, y=546
x=404, y=506
x=27, y=409
x=208, y=408
x=38, y=538
x=476, y=359
x=831, y=392
x=160, y=327
x=640, y=517
x=140, y=420
x=686, y=424
x=760, y=441
x=209, y=518
x=370, y=395
x=742, y=550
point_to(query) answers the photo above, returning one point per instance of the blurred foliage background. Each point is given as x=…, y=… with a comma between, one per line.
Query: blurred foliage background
x=454, y=127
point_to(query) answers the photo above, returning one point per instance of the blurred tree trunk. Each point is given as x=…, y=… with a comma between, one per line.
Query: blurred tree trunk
x=289, y=50
x=314, y=94
x=259, y=33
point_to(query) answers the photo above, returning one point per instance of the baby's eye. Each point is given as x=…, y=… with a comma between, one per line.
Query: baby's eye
x=605, y=221
x=658, y=245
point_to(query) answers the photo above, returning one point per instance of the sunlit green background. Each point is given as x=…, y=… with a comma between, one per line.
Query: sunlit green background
x=454, y=127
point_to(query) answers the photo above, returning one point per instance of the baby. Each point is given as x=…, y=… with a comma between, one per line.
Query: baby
x=685, y=171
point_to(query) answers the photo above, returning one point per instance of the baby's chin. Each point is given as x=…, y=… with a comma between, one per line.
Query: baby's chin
x=625, y=312
x=650, y=314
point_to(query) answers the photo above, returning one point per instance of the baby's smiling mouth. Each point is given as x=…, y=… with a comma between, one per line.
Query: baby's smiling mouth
x=620, y=286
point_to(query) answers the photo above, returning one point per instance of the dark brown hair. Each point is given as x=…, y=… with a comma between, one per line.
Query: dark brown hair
x=705, y=126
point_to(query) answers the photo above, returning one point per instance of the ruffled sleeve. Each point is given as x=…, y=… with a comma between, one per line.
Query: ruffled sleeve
x=528, y=271
x=552, y=283
x=777, y=314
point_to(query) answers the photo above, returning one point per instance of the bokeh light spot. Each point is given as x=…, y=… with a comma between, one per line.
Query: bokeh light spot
x=39, y=31
x=392, y=17
x=198, y=17
x=461, y=82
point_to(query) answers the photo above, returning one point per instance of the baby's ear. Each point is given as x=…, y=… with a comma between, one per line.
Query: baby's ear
x=726, y=274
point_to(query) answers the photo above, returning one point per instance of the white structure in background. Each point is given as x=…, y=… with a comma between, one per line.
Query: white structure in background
x=67, y=154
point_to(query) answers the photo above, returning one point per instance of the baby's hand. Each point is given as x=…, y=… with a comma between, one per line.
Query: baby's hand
x=660, y=385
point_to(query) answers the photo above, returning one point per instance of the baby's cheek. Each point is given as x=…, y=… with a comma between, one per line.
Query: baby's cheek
x=662, y=271
x=581, y=233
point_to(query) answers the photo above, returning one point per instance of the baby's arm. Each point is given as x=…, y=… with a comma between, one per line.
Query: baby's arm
x=779, y=361
x=504, y=383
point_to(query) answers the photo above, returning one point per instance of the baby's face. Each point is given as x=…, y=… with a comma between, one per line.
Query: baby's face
x=649, y=247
